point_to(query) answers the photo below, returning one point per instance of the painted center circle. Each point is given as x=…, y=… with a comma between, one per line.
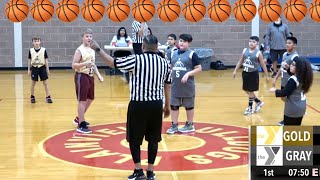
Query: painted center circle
x=173, y=143
x=212, y=146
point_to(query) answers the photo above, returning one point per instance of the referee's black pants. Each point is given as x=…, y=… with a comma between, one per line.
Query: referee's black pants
x=144, y=120
x=137, y=48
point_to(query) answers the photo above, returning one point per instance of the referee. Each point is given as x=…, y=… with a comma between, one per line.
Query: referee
x=139, y=31
x=149, y=79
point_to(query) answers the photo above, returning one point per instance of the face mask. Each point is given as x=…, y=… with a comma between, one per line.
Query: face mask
x=278, y=22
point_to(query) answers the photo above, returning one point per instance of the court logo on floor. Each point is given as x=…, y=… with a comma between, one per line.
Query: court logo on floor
x=212, y=146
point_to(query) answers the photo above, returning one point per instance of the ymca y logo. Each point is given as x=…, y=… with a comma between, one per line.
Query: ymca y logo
x=269, y=146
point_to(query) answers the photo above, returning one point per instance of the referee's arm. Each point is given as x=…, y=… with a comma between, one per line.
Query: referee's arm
x=126, y=64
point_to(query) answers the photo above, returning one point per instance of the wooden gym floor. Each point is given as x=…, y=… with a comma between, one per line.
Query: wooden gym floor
x=26, y=126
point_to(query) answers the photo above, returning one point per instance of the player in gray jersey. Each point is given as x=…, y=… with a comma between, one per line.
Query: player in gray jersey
x=295, y=91
x=184, y=64
x=251, y=59
x=287, y=59
x=171, y=42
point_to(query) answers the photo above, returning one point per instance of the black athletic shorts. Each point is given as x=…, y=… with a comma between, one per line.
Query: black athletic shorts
x=36, y=72
x=275, y=55
x=250, y=81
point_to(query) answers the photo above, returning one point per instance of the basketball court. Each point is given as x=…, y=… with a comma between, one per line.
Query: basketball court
x=39, y=140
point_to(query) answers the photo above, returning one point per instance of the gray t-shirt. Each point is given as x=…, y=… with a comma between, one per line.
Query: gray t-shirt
x=276, y=36
x=181, y=63
x=250, y=60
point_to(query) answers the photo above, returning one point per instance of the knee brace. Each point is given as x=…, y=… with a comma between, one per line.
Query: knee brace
x=174, y=108
x=189, y=108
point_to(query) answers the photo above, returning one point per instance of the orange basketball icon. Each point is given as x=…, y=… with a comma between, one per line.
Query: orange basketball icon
x=143, y=10
x=269, y=10
x=92, y=10
x=17, y=10
x=219, y=10
x=168, y=10
x=42, y=10
x=118, y=10
x=194, y=10
x=295, y=10
x=67, y=10
x=314, y=10
x=244, y=10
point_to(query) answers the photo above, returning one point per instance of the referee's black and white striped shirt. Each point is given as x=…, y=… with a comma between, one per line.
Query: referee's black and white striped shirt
x=148, y=74
x=135, y=29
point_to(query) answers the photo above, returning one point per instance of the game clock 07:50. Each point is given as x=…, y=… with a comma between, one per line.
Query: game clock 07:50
x=299, y=172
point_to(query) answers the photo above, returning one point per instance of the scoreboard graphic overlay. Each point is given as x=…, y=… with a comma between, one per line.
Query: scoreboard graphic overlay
x=284, y=152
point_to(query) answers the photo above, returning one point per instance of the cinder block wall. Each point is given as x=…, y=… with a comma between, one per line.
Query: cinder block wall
x=226, y=39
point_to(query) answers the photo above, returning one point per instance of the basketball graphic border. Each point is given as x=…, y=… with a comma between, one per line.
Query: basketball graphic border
x=242, y=4
x=92, y=10
x=265, y=6
x=164, y=6
x=137, y=10
x=292, y=15
x=188, y=11
x=66, y=3
x=213, y=10
x=111, y=10
x=10, y=7
x=43, y=3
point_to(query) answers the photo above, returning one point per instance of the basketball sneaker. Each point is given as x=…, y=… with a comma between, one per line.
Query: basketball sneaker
x=48, y=99
x=187, y=128
x=151, y=175
x=248, y=111
x=173, y=129
x=281, y=123
x=258, y=106
x=137, y=175
x=76, y=121
x=33, y=99
x=83, y=129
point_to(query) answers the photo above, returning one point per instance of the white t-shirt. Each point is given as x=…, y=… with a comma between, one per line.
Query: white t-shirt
x=122, y=42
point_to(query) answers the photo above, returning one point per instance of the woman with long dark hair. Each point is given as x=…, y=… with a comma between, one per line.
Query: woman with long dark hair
x=122, y=40
x=295, y=91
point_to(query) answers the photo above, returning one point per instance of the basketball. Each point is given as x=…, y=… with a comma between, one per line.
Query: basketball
x=92, y=10
x=143, y=10
x=168, y=10
x=269, y=10
x=118, y=10
x=314, y=10
x=219, y=10
x=67, y=10
x=42, y=10
x=295, y=10
x=244, y=10
x=194, y=10
x=17, y=10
